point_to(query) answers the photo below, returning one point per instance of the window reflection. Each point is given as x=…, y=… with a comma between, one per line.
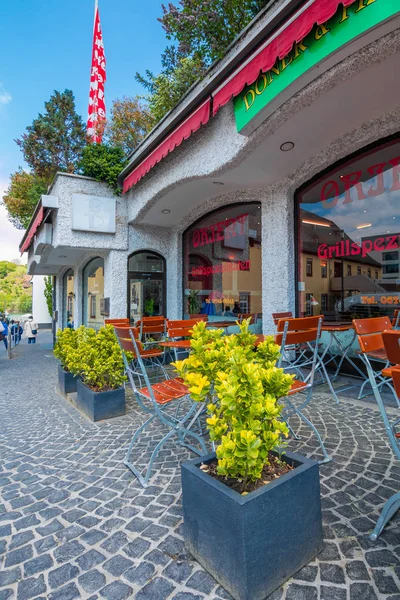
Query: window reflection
x=93, y=293
x=222, y=264
x=349, y=221
x=68, y=299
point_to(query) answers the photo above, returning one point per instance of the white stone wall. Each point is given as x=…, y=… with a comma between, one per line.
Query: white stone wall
x=39, y=305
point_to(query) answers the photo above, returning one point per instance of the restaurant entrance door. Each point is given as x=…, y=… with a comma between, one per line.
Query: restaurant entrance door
x=146, y=285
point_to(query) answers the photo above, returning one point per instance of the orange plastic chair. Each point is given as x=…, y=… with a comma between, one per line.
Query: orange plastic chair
x=124, y=336
x=369, y=334
x=251, y=316
x=281, y=315
x=118, y=322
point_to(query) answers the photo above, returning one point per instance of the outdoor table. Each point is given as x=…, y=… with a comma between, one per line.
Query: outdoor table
x=175, y=344
x=221, y=324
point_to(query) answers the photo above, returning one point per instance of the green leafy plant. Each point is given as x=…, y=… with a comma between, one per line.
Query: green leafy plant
x=193, y=302
x=241, y=387
x=66, y=344
x=97, y=359
x=103, y=162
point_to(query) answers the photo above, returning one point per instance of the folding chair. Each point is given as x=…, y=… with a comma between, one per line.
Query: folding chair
x=251, y=316
x=281, y=315
x=198, y=317
x=153, y=356
x=391, y=341
x=369, y=333
x=298, y=336
x=176, y=330
x=117, y=322
x=150, y=327
x=159, y=401
x=396, y=318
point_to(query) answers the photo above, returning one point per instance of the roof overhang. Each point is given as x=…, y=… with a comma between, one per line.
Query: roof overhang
x=43, y=209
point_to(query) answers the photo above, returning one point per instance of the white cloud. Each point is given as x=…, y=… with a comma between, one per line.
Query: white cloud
x=10, y=237
x=5, y=97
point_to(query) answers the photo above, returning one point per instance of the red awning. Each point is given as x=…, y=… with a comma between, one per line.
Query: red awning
x=32, y=230
x=277, y=46
x=182, y=132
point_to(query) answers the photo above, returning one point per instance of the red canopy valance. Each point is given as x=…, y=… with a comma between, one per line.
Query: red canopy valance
x=182, y=132
x=277, y=46
x=32, y=230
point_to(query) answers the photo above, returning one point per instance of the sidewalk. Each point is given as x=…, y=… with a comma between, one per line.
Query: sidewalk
x=75, y=523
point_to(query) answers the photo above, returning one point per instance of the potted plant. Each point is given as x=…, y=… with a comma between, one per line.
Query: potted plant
x=252, y=512
x=193, y=302
x=97, y=360
x=66, y=342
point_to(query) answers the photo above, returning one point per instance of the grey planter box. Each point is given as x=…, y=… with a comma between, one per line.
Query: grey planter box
x=100, y=405
x=252, y=544
x=66, y=382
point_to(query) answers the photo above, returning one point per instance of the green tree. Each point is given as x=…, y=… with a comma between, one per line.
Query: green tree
x=15, y=288
x=21, y=197
x=205, y=28
x=168, y=88
x=48, y=293
x=55, y=140
x=103, y=162
x=129, y=122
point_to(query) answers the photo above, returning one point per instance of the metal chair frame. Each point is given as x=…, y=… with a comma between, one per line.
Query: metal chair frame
x=155, y=399
x=369, y=333
x=306, y=334
x=392, y=505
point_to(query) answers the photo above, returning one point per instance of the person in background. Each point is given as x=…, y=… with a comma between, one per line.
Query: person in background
x=16, y=332
x=4, y=331
x=227, y=312
x=30, y=330
x=236, y=309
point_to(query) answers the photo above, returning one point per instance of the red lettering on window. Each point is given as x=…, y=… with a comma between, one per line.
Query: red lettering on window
x=377, y=170
x=353, y=180
x=330, y=188
x=395, y=162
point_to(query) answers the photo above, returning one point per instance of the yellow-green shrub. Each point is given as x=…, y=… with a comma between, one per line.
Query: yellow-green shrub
x=242, y=387
x=97, y=359
x=66, y=342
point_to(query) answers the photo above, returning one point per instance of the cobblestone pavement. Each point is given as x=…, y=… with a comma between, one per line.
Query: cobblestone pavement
x=75, y=523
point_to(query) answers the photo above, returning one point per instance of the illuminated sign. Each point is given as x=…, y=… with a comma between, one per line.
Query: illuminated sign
x=380, y=299
x=241, y=265
x=322, y=42
x=330, y=193
x=349, y=248
x=219, y=232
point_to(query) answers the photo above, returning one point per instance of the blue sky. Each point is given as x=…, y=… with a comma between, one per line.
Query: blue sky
x=46, y=45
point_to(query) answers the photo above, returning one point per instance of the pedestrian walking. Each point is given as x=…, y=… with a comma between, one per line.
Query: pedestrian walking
x=4, y=331
x=16, y=332
x=31, y=330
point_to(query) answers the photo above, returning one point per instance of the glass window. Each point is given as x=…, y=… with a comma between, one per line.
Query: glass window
x=146, y=285
x=324, y=269
x=93, y=293
x=309, y=267
x=68, y=299
x=350, y=219
x=222, y=263
x=324, y=303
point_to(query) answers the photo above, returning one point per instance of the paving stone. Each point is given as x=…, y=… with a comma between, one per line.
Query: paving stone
x=178, y=571
x=18, y=556
x=332, y=573
x=202, y=582
x=90, y=559
x=45, y=544
x=117, y=591
x=20, y=539
x=9, y=576
x=50, y=528
x=157, y=557
x=68, y=551
x=37, y=565
x=5, y=530
x=362, y=591
x=301, y=592
x=136, y=548
x=69, y=533
x=333, y=593
x=68, y=592
x=26, y=522
x=158, y=589
x=30, y=588
x=114, y=542
x=92, y=581
x=384, y=582
x=141, y=574
x=381, y=558
x=307, y=573
x=117, y=565
x=61, y=575
x=5, y=594
x=93, y=536
x=357, y=570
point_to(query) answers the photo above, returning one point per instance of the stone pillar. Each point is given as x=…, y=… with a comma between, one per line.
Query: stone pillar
x=59, y=299
x=115, y=282
x=174, y=275
x=278, y=253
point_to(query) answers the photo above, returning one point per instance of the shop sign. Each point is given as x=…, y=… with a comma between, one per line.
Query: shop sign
x=349, y=248
x=95, y=214
x=380, y=299
x=219, y=232
x=241, y=265
x=347, y=24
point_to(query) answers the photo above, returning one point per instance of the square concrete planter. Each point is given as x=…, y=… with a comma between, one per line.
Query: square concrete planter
x=252, y=544
x=100, y=405
x=66, y=382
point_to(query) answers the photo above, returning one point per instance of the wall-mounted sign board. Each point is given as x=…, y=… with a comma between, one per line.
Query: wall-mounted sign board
x=93, y=213
x=323, y=42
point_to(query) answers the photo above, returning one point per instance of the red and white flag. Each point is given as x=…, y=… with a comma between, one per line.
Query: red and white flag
x=97, y=107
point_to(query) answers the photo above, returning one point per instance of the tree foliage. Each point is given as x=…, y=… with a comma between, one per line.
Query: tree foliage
x=48, y=293
x=15, y=288
x=21, y=197
x=129, y=122
x=168, y=88
x=55, y=140
x=103, y=162
x=205, y=28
